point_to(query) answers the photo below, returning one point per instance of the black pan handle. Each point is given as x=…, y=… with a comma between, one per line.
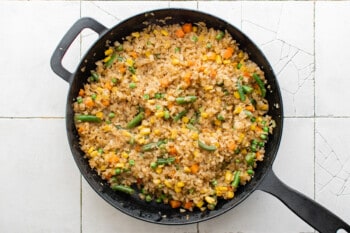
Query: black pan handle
x=310, y=211
x=67, y=40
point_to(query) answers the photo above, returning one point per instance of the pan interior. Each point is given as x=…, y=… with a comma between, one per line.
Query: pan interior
x=132, y=205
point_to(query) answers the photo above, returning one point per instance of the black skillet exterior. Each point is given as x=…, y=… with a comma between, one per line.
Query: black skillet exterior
x=132, y=205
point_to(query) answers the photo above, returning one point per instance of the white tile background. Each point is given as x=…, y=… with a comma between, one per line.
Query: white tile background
x=41, y=189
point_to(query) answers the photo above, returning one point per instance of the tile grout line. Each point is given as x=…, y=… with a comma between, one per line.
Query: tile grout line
x=314, y=89
x=80, y=176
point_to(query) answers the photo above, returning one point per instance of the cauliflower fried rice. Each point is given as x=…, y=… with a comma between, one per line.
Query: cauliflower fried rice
x=178, y=112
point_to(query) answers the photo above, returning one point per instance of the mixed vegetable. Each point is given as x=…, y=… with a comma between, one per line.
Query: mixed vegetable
x=181, y=103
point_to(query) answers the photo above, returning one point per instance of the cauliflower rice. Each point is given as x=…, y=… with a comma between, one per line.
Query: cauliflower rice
x=176, y=111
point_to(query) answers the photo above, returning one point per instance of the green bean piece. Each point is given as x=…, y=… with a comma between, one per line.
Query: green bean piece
x=249, y=158
x=79, y=99
x=88, y=118
x=132, y=85
x=148, y=198
x=186, y=99
x=132, y=69
x=153, y=145
x=191, y=127
x=247, y=89
x=236, y=179
x=153, y=165
x=132, y=162
x=164, y=161
x=211, y=206
x=111, y=115
x=203, y=146
x=239, y=65
x=240, y=91
x=118, y=171
x=250, y=172
x=220, y=35
x=220, y=118
x=122, y=188
x=94, y=76
x=135, y=121
x=110, y=62
x=166, y=115
x=120, y=48
x=180, y=115
x=260, y=84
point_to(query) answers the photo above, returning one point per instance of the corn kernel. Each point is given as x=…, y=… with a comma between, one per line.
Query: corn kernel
x=187, y=169
x=145, y=131
x=173, y=134
x=240, y=137
x=91, y=150
x=202, y=191
x=152, y=120
x=230, y=194
x=129, y=62
x=175, y=61
x=204, y=115
x=217, y=144
x=244, y=151
x=157, y=132
x=194, y=29
x=148, y=53
x=120, y=165
x=94, y=153
x=217, y=122
x=184, y=130
x=199, y=204
x=177, y=189
x=204, y=57
x=237, y=110
x=159, y=114
x=208, y=87
x=259, y=119
x=253, y=127
x=108, y=51
x=156, y=181
x=264, y=107
x=125, y=155
x=135, y=34
x=209, y=200
x=126, y=133
x=164, y=32
x=185, y=119
x=196, y=153
x=226, y=62
x=240, y=54
x=180, y=184
x=168, y=183
x=155, y=32
x=236, y=94
x=228, y=176
x=218, y=59
x=221, y=188
x=141, y=141
x=159, y=170
x=106, y=128
x=114, y=89
x=106, y=59
x=134, y=78
x=99, y=115
x=194, y=136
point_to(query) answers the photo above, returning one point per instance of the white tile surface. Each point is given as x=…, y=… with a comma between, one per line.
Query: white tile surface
x=313, y=157
x=332, y=58
x=40, y=184
x=284, y=31
x=333, y=165
x=29, y=33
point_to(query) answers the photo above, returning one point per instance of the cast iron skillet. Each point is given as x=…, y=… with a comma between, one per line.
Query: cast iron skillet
x=264, y=179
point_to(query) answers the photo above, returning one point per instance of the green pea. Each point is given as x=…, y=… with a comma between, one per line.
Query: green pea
x=79, y=99
x=132, y=85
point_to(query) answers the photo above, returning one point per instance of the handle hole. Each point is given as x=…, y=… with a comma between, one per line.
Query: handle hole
x=88, y=38
x=71, y=59
x=342, y=231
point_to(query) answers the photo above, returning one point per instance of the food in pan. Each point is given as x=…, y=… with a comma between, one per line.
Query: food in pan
x=176, y=111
